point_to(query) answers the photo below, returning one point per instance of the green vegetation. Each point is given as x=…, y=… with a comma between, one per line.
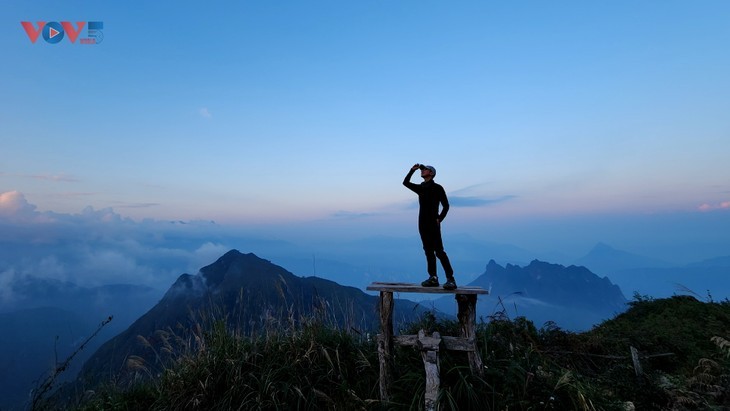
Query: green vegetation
x=683, y=346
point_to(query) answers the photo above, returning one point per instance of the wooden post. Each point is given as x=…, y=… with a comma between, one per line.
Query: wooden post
x=385, y=344
x=430, y=353
x=635, y=358
x=467, y=319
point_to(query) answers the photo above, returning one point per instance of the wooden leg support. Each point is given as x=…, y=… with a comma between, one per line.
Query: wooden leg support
x=430, y=353
x=385, y=344
x=429, y=346
x=467, y=319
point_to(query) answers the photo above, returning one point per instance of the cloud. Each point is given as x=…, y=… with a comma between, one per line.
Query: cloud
x=14, y=205
x=205, y=113
x=470, y=201
x=136, y=205
x=469, y=189
x=98, y=246
x=7, y=278
x=469, y=197
x=724, y=205
x=206, y=254
x=61, y=178
x=458, y=201
x=351, y=215
x=73, y=194
x=57, y=178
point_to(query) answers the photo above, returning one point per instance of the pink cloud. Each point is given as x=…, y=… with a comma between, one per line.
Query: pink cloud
x=13, y=203
x=724, y=205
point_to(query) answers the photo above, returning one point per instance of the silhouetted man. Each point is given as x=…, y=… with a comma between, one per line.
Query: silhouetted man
x=430, y=195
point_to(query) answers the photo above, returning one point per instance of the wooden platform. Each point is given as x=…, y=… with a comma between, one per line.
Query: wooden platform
x=466, y=299
x=417, y=288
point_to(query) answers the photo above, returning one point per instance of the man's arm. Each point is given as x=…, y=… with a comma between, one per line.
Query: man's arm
x=444, y=204
x=407, y=180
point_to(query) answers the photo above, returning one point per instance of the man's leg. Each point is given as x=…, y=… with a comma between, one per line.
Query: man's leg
x=430, y=261
x=450, y=283
x=445, y=263
x=428, y=249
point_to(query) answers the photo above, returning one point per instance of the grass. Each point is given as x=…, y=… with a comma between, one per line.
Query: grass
x=307, y=365
x=312, y=364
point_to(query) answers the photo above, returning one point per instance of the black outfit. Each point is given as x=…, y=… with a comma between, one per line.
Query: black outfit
x=430, y=195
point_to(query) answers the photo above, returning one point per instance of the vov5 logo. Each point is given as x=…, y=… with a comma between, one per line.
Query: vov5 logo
x=53, y=32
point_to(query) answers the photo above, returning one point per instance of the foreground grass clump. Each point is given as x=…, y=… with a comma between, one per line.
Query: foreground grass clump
x=314, y=365
x=311, y=367
x=520, y=372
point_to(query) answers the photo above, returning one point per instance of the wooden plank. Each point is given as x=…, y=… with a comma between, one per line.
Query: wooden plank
x=450, y=343
x=417, y=288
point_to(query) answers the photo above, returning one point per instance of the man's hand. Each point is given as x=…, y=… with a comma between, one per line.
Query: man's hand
x=415, y=167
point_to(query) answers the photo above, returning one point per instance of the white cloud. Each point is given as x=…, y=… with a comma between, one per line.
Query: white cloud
x=206, y=254
x=14, y=205
x=205, y=113
x=96, y=247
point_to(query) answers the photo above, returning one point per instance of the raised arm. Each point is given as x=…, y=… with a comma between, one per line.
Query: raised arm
x=407, y=180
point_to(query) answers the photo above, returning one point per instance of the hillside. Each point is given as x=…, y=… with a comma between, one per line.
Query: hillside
x=251, y=295
x=681, y=325
x=525, y=367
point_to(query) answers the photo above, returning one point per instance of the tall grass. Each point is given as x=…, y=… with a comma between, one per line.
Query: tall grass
x=302, y=363
x=315, y=363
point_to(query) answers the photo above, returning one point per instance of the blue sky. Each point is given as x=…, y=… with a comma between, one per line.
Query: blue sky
x=537, y=115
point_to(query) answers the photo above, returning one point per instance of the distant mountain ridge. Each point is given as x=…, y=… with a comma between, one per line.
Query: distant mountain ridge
x=573, y=286
x=713, y=262
x=573, y=297
x=605, y=260
x=635, y=274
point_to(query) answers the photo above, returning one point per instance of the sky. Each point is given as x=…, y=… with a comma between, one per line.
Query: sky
x=552, y=125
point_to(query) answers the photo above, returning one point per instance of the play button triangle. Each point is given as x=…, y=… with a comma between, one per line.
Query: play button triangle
x=53, y=32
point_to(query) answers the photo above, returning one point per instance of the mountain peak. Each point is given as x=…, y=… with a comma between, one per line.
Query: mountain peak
x=233, y=264
x=491, y=265
x=602, y=247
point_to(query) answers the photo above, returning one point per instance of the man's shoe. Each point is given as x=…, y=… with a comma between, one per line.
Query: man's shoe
x=450, y=284
x=431, y=282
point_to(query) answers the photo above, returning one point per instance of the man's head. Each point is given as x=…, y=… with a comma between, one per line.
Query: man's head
x=427, y=172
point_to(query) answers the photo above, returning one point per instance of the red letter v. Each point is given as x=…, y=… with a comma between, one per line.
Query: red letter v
x=31, y=31
x=69, y=29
